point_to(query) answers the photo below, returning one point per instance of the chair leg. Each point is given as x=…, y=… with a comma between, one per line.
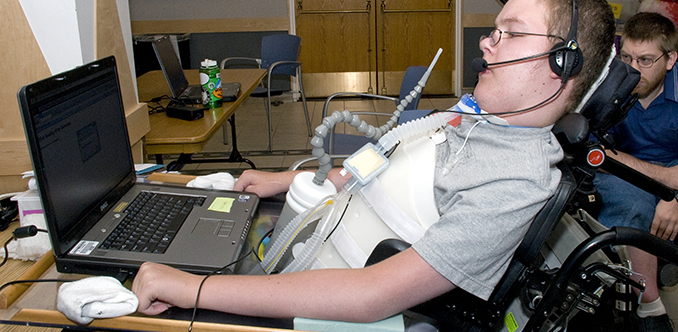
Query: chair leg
x=303, y=101
x=270, y=127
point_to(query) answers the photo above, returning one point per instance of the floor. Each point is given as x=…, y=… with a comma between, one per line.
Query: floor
x=291, y=142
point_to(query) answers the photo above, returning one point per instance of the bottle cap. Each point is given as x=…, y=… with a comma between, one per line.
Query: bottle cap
x=208, y=63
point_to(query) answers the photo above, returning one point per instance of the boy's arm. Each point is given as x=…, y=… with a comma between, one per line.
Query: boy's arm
x=360, y=295
x=266, y=184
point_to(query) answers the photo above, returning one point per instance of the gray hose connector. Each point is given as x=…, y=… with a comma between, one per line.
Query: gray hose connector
x=361, y=126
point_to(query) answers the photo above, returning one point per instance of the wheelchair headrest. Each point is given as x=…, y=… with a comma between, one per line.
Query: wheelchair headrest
x=607, y=106
x=611, y=101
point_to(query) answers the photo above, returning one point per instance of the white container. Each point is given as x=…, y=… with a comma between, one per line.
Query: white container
x=29, y=203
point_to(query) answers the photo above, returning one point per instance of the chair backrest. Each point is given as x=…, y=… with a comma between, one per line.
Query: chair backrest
x=412, y=76
x=280, y=47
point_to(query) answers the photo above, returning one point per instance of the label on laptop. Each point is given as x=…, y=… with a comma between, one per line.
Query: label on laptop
x=84, y=248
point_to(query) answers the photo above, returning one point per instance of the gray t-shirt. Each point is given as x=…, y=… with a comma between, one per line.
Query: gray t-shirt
x=487, y=195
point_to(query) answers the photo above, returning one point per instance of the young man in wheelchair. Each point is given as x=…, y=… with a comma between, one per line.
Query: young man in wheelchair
x=538, y=67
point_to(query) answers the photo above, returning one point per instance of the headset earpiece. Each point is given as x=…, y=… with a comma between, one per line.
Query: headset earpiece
x=567, y=62
x=567, y=58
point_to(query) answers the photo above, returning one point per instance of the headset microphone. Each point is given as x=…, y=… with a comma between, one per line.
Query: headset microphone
x=479, y=64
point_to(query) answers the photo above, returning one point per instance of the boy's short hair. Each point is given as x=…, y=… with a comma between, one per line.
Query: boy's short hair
x=595, y=35
x=647, y=27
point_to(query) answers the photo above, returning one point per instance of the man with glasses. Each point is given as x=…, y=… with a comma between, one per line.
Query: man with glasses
x=647, y=140
x=491, y=178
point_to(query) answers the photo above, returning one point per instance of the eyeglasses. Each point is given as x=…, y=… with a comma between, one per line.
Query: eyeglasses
x=643, y=62
x=495, y=35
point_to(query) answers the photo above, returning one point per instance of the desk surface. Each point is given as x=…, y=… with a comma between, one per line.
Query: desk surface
x=170, y=135
x=36, y=307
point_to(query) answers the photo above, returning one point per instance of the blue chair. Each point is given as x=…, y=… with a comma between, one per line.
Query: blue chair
x=279, y=56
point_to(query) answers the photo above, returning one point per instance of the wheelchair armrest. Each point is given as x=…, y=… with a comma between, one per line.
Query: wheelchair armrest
x=385, y=249
x=572, y=130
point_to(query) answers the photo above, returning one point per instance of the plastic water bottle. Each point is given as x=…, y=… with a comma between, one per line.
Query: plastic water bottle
x=210, y=79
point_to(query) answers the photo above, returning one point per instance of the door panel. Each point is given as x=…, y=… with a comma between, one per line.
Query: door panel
x=365, y=46
x=411, y=34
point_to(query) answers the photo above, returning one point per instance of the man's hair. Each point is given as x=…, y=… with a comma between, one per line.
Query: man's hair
x=595, y=35
x=648, y=27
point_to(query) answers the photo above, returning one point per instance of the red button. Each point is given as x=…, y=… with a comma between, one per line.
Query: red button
x=595, y=157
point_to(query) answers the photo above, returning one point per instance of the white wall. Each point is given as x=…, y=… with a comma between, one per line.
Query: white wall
x=143, y=10
x=55, y=26
x=65, y=30
x=482, y=7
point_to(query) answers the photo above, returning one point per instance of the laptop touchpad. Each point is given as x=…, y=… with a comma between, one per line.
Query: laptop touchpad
x=212, y=227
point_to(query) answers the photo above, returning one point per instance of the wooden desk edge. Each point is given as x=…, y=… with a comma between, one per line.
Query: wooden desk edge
x=12, y=292
x=132, y=322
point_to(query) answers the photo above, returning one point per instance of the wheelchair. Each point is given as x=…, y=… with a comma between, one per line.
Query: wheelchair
x=564, y=266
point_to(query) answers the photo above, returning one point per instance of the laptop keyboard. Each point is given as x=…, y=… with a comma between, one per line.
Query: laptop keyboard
x=152, y=222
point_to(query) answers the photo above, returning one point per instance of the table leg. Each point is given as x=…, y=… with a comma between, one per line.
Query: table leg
x=234, y=157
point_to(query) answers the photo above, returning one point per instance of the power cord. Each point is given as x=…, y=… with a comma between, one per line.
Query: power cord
x=218, y=271
x=22, y=232
x=31, y=281
x=19, y=233
x=158, y=107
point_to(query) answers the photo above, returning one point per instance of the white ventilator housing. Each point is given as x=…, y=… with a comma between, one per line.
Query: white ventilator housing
x=357, y=227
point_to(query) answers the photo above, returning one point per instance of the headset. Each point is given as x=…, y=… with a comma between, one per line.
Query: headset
x=565, y=59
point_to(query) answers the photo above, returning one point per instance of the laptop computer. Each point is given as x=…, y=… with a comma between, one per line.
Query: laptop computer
x=77, y=135
x=174, y=73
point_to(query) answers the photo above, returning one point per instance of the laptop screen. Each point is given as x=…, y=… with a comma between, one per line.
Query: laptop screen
x=67, y=118
x=170, y=64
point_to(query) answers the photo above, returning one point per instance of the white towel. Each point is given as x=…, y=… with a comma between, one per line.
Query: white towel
x=30, y=248
x=219, y=181
x=95, y=297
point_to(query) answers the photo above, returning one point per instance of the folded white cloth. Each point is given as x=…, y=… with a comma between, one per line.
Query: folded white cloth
x=95, y=297
x=30, y=248
x=220, y=181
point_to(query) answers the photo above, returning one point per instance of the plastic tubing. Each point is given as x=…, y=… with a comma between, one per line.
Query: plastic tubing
x=361, y=126
x=322, y=231
x=412, y=128
x=335, y=203
x=290, y=231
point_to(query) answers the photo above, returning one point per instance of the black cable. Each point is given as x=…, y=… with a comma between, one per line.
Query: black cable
x=340, y=218
x=20, y=232
x=511, y=112
x=30, y=281
x=6, y=253
x=159, y=107
x=218, y=271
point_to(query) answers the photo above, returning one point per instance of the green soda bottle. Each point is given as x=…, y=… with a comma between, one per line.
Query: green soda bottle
x=210, y=79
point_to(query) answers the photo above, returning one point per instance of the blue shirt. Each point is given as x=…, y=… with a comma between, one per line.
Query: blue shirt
x=652, y=134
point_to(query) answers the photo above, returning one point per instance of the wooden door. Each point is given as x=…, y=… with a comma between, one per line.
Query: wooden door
x=366, y=45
